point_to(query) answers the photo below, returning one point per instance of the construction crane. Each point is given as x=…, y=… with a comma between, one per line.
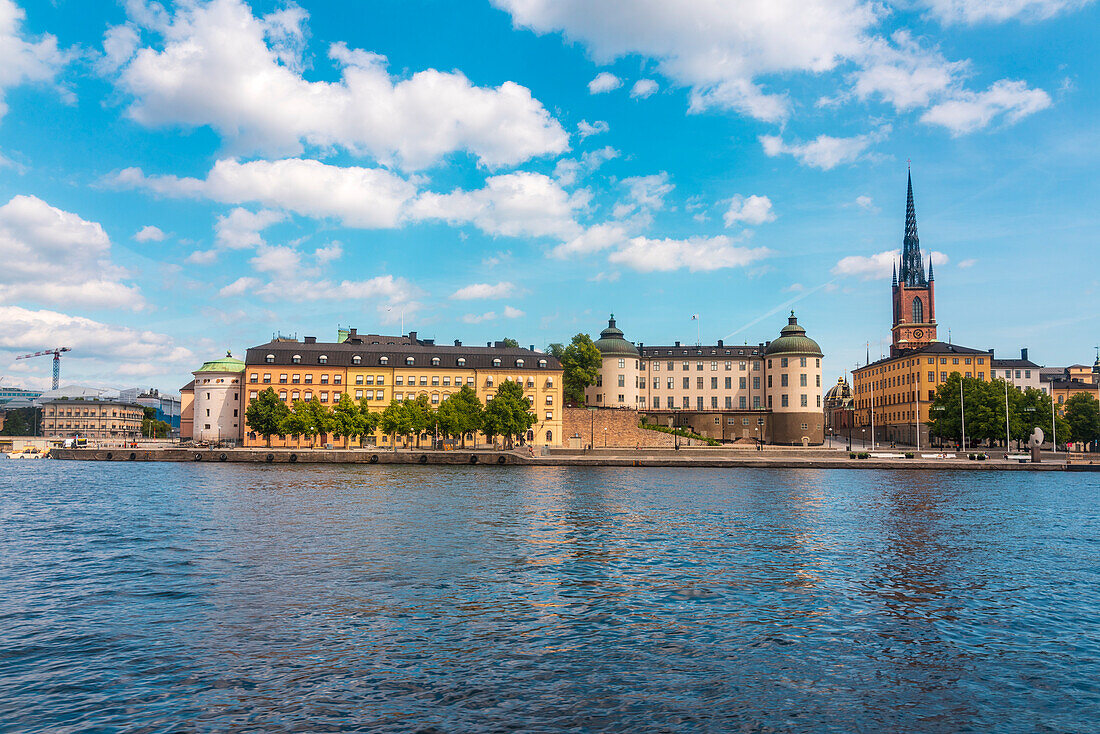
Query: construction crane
x=56, y=361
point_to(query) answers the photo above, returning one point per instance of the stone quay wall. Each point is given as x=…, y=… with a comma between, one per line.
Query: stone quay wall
x=614, y=427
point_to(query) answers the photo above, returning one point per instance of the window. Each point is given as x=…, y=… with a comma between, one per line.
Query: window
x=669, y=380
x=378, y=395
x=435, y=398
x=620, y=397
x=729, y=383
x=435, y=361
x=410, y=360
x=687, y=383
x=685, y=402
x=309, y=395
x=782, y=361
x=819, y=401
x=380, y=381
x=356, y=359
x=782, y=400
x=699, y=366
x=622, y=363
x=685, y=366
x=918, y=310
x=282, y=379
x=461, y=361
x=446, y=380
x=714, y=402
x=296, y=359
x=741, y=402
x=359, y=395
x=802, y=380
x=253, y=377
x=802, y=361
x=359, y=379
x=698, y=383
x=804, y=426
x=622, y=380
x=549, y=416
x=656, y=366
x=671, y=366
x=755, y=383
x=252, y=395
x=435, y=380
x=423, y=380
x=804, y=401
x=782, y=380
x=324, y=379
x=398, y=380
x=729, y=366
x=383, y=360
x=323, y=359
x=496, y=362
x=729, y=403
x=294, y=395
x=657, y=402
x=270, y=359
x=817, y=379
x=699, y=402
x=713, y=366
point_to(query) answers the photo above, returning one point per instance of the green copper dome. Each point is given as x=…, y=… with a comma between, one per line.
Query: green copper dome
x=612, y=344
x=793, y=340
x=228, y=363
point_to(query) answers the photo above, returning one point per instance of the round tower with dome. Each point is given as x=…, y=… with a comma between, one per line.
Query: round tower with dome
x=618, y=383
x=794, y=387
x=217, y=404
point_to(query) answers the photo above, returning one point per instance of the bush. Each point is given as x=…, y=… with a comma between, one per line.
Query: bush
x=682, y=433
x=852, y=455
x=909, y=454
x=864, y=455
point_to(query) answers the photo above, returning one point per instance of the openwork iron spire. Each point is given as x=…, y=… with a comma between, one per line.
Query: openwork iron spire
x=912, y=269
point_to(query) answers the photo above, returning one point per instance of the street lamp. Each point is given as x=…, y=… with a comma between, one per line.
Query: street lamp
x=864, y=431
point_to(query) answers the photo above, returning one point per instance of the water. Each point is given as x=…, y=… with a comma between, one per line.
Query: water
x=169, y=597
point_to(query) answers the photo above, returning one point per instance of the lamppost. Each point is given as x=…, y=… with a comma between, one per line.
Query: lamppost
x=864, y=431
x=937, y=409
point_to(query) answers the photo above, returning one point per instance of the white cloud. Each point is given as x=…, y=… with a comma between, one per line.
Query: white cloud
x=475, y=291
x=368, y=198
x=149, y=233
x=753, y=211
x=330, y=253
x=24, y=60
x=866, y=203
x=994, y=11
x=970, y=111
x=218, y=65
x=905, y=74
x=695, y=254
x=605, y=81
x=822, y=152
x=120, y=43
x=202, y=257
x=100, y=351
x=240, y=229
x=968, y=263
x=878, y=266
x=594, y=239
x=508, y=313
x=239, y=287
x=513, y=204
x=643, y=88
x=52, y=256
x=604, y=277
x=512, y=313
x=586, y=129
x=646, y=194
x=568, y=170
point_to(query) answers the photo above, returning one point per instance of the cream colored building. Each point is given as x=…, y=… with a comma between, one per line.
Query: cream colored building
x=95, y=419
x=217, y=409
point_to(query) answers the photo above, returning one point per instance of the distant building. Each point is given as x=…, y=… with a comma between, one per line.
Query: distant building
x=1021, y=373
x=22, y=397
x=769, y=392
x=839, y=405
x=93, y=418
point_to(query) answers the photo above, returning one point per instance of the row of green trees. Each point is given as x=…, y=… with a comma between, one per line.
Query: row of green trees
x=1078, y=421
x=507, y=415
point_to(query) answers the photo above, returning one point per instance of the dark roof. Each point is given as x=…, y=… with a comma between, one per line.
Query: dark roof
x=188, y=386
x=340, y=354
x=938, y=349
x=90, y=401
x=793, y=340
x=705, y=350
x=1015, y=363
x=1073, y=385
x=612, y=343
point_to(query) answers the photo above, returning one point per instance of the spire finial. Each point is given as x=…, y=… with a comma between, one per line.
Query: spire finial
x=912, y=271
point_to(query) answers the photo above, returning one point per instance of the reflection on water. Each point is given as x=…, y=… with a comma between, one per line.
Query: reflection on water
x=164, y=597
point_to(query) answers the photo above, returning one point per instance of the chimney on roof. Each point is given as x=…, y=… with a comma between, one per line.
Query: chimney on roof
x=488, y=344
x=311, y=340
x=677, y=343
x=1023, y=354
x=532, y=347
x=458, y=343
x=352, y=332
x=719, y=342
x=412, y=337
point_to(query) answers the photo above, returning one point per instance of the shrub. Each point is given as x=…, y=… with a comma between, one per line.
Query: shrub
x=852, y=455
x=864, y=455
x=683, y=433
x=909, y=454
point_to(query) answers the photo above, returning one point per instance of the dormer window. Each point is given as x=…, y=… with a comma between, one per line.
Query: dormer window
x=542, y=363
x=270, y=359
x=383, y=360
x=461, y=361
x=410, y=360
x=496, y=362
x=356, y=359
x=296, y=359
x=435, y=361
x=519, y=363
x=323, y=359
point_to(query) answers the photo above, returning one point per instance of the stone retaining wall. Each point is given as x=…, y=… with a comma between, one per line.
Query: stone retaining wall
x=613, y=427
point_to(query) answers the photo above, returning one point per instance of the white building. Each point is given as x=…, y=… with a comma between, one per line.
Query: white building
x=217, y=402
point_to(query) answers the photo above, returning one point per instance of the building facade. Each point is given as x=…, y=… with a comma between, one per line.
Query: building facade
x=95, y=419
x=217, y=414
x=376, y=369
x=770, y=392
x=1021, y=373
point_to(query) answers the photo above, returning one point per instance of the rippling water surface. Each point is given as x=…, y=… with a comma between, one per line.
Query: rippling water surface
x=165, y=597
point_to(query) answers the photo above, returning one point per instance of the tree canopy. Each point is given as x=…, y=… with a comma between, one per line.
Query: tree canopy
x=508, y=413
x=581, y=363
x=460, y=413
x=267, y=414
x=1082, y=412
x=985, y=411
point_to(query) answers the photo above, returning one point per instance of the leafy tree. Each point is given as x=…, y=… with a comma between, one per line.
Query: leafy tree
x=1082, y=412
x=15, y=424
x=369, y=419
x=1032, y=408
x=508, y=413
x=394, y=421
x=460, y=413
x=581, y=363
x=152, y=428
x=267, y=414
x=347, y=419
x=308, y=418
x=510, y=342
x=985, y=411
x=421, y=416
x=556, y=350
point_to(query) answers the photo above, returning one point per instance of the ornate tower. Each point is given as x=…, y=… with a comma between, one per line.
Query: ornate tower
x=914, y=295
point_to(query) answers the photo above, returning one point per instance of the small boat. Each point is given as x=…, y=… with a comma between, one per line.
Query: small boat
x=29, y=452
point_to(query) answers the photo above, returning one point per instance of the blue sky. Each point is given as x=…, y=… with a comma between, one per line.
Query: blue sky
x=179, y=179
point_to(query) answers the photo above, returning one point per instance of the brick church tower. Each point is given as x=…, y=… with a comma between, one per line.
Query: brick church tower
x=914, y=295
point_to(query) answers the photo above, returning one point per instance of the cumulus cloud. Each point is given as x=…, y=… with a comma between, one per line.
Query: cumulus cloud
x=753, y=210
x=476, y=291
x=722, y=57
x=866, y=203
x=368, y=198
x=586, y=129
x=968, y=263
x=993, y=11
x=149, y=233
x=695, y=253
x=218, y=65
x=239, y=287
x=53, y=256
x=970, y=111
x=824, y=151
x=240, y=229
x=878, y=266
x=101, y=352
x=645, y=194
x=508, y=313
x=23, y=59
x=643, y=88
x=594, y=239
x=605, y=81
x=513, y=204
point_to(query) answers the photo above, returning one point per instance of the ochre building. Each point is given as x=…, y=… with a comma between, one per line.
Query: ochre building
x=376, y=369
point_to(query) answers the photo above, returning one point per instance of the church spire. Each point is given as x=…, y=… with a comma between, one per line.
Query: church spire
x=912, y=270
x=895, y=278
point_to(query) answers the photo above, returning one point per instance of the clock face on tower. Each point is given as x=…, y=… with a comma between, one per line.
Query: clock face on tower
x=918, y=334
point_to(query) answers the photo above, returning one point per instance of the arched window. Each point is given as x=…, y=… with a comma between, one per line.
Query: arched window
x=410, y=360
x=549, y=437
x=269, y=358
x=461, y=361
x=296, y=359
x=542, y=363
x=323, y=359
x=918, y=310
x=519, y=363
x=435, y=361
x=356, y=359
x=496, y=362
x=383, y=360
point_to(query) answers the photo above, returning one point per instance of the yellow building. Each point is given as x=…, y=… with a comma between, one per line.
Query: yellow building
x=377, y=369
x=894, y=394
